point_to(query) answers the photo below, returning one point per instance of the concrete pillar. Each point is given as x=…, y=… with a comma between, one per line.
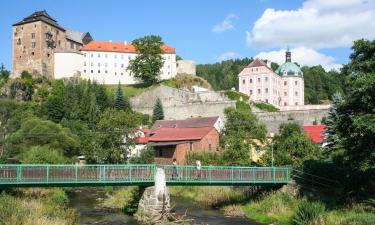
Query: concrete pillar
x=154, y=204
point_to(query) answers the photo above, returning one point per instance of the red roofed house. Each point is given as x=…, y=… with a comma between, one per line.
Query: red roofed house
x=315, y=133
x=174, y=139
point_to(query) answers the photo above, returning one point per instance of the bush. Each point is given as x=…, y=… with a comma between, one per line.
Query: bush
x=266, y=107
x=234, y=95
x=43, y=155
x=146, y=157
x=308, y=213
x=125, y=198
x=59, y=197
x=206, y=158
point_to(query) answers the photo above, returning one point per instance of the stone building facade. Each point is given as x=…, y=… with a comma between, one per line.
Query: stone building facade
x=284, y=87
x=35, y=40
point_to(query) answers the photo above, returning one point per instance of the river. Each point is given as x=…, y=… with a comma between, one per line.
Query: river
x=88, y=203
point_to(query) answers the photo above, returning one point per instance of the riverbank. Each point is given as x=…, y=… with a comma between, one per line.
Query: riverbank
x=36, y=206
x=277, y=207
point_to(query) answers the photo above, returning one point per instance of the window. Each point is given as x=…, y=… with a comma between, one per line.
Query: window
x=296, y=93
x=160, y=153
x=122, y=65
x=92, y=71
x=48, y=55
x=266, y=100
x=129, y=57
x=191, y=146
x=115, y=73
x=33, y=44
x=122, y=74
x=284, y=103
x=296, y=82
x=251, y=92
x=34, y=25
x=115, y=56
x=209, y=147
x=285, y=94
x=258, y=91
x=32, y=35
x=256, y=69
x=32, y=53
x=105, y=55
x=98, y=71
x=98, y=55
x=266, y=78
x=296, y=103
x=285, y=83
x=19, y=41
x=258, y=79
x=266, y=90
x=92, y=64
x=92, y=55
x=71, y=45
x=98, y=64
x=84, y=64
x=59, y=42
x=251, y=81
x=84, y=71
x=106, y=71
x=243, y=81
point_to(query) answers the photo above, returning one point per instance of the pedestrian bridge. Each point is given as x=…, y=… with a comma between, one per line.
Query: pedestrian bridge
x=46, y=175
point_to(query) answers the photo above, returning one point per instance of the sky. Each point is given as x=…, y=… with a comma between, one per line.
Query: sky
x=316, y=31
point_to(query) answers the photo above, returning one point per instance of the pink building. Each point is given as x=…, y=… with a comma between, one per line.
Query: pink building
x=284, y=87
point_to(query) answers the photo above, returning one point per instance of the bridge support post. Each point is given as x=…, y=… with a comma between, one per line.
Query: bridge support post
x=154, y=204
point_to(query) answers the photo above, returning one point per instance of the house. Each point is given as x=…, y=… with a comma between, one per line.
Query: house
x=141, y=140
x=315, y=133
x=174, y=139
x=282, y=88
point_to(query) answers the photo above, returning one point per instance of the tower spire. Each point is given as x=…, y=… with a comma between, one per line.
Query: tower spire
x=288, y=55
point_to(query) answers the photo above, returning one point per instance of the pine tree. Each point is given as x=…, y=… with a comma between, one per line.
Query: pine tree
x=331, y=139
x=119, y=100
x=158, y=112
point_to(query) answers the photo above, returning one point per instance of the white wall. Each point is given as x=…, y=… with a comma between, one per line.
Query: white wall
x=68, y=64
x=110, y=67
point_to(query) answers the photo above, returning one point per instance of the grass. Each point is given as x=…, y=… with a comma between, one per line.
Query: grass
x=208, y=196
x=266, y=107
x=124, y=198
x=129, y=90
x=38, y=206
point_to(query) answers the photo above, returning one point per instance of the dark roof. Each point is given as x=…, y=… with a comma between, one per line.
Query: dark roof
x=256, y=63
x=180, y=134
x=40, y=16
x=188, y=123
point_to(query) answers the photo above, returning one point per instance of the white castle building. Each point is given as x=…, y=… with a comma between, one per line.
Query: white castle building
x=107, y=62
x=282, y=88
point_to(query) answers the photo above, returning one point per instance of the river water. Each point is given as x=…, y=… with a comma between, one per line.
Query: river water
x=88, y=203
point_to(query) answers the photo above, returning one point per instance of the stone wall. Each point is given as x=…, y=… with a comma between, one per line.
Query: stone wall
x=304, y=117
x=180, y=104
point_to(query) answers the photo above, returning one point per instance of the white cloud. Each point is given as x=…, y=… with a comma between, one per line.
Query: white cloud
x=303, y=56
x=316, y=24
x=226, y=56
x=226, y=24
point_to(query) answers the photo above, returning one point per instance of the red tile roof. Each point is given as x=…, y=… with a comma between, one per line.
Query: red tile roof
x=315, y=133
x=180, y=134
x=188, y=123
x=143, y=140
x=257, y=62
x=107, y=46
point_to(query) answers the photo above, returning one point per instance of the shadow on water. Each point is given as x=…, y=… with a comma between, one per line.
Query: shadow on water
x=88, y=201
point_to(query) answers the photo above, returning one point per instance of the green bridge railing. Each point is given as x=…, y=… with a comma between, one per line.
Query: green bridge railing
x=38, y=175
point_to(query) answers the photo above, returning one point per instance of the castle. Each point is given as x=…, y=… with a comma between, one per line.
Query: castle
x=44, y=48
x=282, y=88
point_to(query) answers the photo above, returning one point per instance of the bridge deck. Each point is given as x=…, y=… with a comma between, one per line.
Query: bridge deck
x=35, y=175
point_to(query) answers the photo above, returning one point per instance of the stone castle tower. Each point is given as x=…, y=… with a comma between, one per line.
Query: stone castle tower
x=35, y=39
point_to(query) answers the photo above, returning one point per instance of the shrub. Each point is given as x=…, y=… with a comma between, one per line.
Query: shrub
x=206, y=158
x=266, y=107
x=43, y=154
x=59, y=197
x=308, y=213
x=234, y=95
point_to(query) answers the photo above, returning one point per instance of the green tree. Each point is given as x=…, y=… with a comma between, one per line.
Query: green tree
x=114, y=141
x=356, y=123
x=242, y=131
x=291, y=147
x=35, y=131
x=121, y=101
x=331, y=139
x=158, y=111
x=146, y=157
x=362, y=58
x=43, y=155
x=147, y=65
x=4, y=74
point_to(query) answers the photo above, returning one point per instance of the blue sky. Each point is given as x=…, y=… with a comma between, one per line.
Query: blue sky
x=210, y=31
